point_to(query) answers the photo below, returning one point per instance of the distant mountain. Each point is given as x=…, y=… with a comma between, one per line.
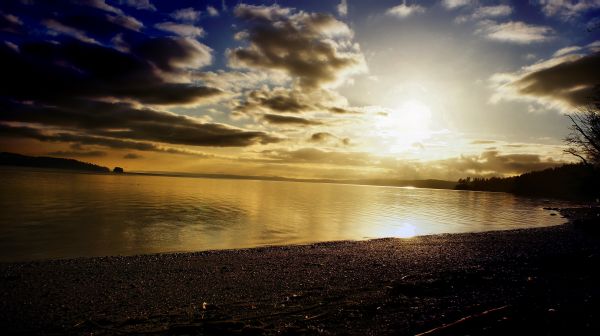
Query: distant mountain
x=12, y=159
x=432, y=184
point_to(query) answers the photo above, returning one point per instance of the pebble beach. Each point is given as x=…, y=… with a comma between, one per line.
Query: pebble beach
x=538, y=281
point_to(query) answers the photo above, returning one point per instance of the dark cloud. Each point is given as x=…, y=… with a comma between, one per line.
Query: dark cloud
x=48, y=72
x=78, y=153
x=121, y=120
x=313, y=48
x=488, y=163
x=172, y=54
x=78, y=89
x=132, y=156
x=573, y=81
x=282, y=100
x=493, y=162
x=79, y=141
x=314, y=155
x=482, y=142
x=289, y=120
x=326, y=137
x=321, y=137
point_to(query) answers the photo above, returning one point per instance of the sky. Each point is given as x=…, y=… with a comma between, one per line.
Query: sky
x=304, y=89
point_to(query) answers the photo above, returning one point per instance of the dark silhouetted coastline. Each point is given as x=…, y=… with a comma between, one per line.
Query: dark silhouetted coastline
x=18, y=160
x=572, y=181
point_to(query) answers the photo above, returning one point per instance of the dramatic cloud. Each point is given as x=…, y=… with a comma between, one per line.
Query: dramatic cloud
x=486, y=12
x=315, y=49
x=186, y=14
x=289, y=120
x=236, y=81
x=488, y=163
x=79, y=90
x=314, y=155
x=571, y=81
x=567, y=9
x=563, y=82
x=181, y=29
x=76, y=69
x=403, y=10
x=172, y=55
x=282, y=100
x=141, y=4
x=492, y=162
x=78, y=141
x=342, y=8
x=452, y=4
x=120, y=120
x=515, y=32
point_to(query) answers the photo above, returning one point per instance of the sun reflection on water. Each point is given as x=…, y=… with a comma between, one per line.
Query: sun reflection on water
x=405, y=230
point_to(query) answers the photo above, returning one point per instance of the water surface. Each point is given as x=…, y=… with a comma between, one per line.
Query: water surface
x=49, y=214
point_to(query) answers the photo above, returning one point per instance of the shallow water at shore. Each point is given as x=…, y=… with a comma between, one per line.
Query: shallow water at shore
x=56, y=215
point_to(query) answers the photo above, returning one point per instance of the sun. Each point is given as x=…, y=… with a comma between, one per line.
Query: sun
x=404, y=126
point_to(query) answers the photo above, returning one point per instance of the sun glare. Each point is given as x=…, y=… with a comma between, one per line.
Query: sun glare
x=405, y=230
x=404, y=126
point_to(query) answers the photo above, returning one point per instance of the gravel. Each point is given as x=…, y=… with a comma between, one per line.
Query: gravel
x=538, y=281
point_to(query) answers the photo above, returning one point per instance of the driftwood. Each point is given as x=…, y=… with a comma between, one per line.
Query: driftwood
x=460, y=321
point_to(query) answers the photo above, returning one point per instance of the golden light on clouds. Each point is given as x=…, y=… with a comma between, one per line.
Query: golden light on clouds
x=425, y=91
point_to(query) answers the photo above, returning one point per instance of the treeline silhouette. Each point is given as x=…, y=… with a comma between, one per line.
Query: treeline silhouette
x=571, y=181
x=12, y=159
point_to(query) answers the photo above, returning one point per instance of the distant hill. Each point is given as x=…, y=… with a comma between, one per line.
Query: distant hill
x=11, y=159
x=433, y=184
x=571, y=181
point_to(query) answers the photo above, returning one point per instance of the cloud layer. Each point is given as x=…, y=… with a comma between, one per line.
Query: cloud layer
x=314, y=49
x=515, y=32
x=564, y=82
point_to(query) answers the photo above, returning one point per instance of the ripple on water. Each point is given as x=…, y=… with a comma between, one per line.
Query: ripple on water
x=49, y=215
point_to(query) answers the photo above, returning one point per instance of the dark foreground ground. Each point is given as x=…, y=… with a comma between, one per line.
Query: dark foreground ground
x=538, y=281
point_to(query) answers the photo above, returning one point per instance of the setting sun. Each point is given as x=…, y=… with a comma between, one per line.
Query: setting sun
x=245, y=167
x=403, y=127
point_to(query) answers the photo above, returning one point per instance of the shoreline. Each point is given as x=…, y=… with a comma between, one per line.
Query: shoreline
x=539, y=280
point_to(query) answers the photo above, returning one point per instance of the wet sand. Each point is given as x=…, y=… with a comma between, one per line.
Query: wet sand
x=537, y=281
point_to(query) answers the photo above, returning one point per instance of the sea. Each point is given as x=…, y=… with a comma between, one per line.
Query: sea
x=48, y=214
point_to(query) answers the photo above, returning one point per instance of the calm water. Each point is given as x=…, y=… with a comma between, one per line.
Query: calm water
x=55, y=215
